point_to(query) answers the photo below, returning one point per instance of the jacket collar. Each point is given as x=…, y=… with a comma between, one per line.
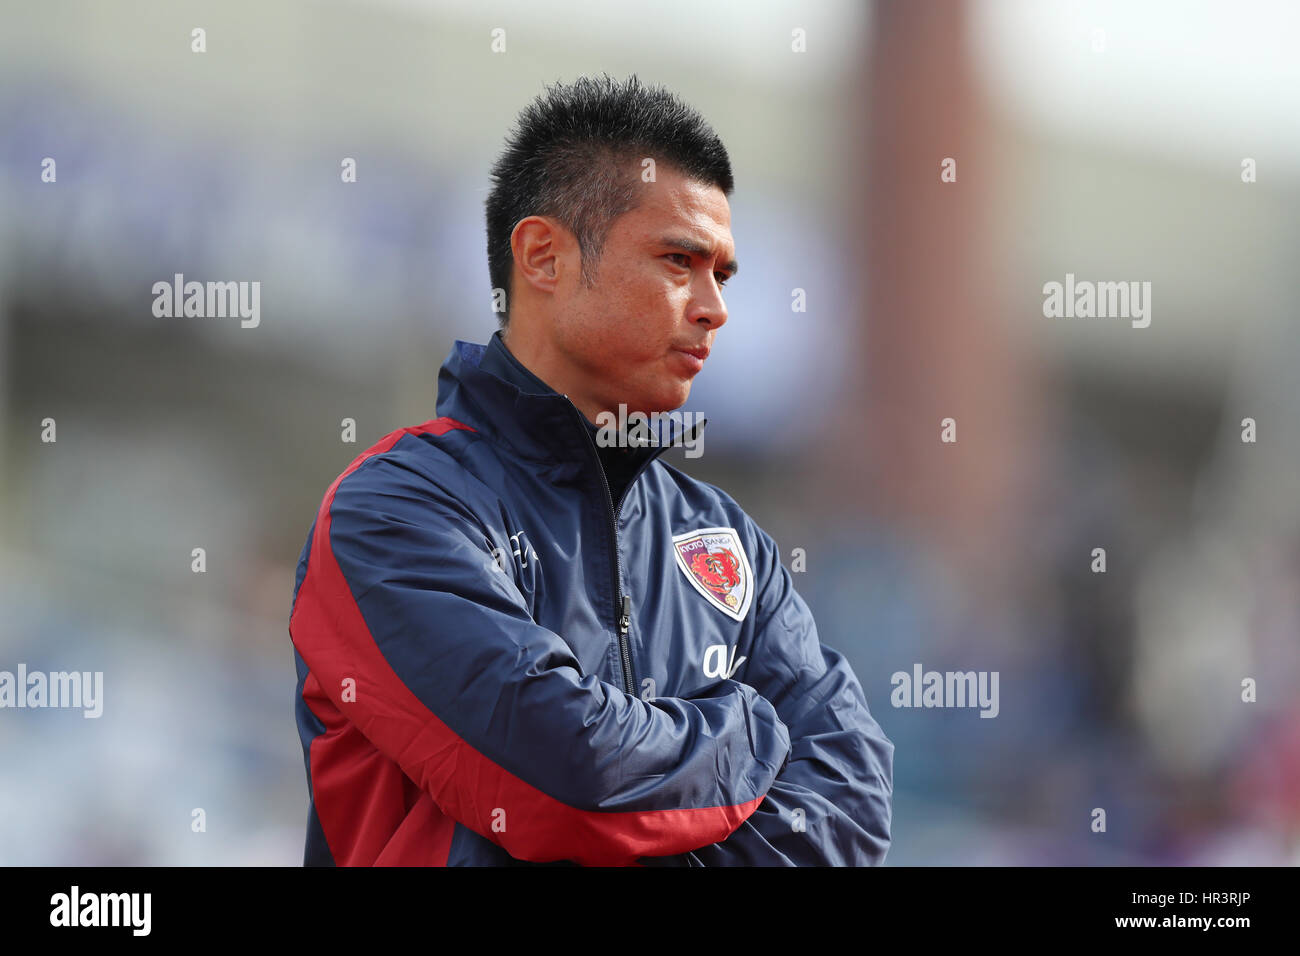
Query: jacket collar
x=501, y=362
x=487, y=388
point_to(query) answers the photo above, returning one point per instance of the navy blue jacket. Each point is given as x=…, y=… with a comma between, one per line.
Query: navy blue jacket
x=502, y=662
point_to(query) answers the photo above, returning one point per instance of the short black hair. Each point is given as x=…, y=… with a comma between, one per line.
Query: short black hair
x=572, y=156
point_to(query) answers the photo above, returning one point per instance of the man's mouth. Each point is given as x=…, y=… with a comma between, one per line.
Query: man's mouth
x=693, y=357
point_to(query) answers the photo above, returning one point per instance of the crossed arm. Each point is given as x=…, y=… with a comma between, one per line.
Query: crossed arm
x=832, y=802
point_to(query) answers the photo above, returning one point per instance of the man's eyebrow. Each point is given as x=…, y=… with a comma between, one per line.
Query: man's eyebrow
x=698, y=249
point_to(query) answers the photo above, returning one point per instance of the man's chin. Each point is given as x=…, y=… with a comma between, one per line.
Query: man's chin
x=662, y=403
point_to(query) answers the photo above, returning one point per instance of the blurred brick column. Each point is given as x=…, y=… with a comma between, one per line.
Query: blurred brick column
x=933, y=342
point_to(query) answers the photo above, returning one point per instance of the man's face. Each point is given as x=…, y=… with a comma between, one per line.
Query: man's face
x=656, y=297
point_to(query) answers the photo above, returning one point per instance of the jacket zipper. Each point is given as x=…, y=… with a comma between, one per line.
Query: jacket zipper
x=622, y=602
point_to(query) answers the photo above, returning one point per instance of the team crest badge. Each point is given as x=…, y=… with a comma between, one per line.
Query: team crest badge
x=715, y=563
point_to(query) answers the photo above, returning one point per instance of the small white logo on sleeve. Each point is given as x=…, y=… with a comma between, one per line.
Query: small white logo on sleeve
x=718, y=664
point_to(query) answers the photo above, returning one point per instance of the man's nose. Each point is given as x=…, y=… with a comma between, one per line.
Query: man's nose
x=709, y=309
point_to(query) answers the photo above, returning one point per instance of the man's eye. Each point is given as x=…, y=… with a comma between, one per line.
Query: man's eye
x=684, y=260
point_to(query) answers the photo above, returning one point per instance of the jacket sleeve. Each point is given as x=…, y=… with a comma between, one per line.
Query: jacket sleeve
x=427, y=647
x=832, y=802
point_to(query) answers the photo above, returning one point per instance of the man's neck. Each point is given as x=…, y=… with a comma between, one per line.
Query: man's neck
x=534, y=353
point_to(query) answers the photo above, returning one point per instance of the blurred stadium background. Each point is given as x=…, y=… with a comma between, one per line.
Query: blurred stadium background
x=1102, y=139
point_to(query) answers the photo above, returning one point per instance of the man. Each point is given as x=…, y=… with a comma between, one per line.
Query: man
x=518, y=642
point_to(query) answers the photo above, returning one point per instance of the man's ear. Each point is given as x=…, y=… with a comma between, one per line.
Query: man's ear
x=539, y=245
